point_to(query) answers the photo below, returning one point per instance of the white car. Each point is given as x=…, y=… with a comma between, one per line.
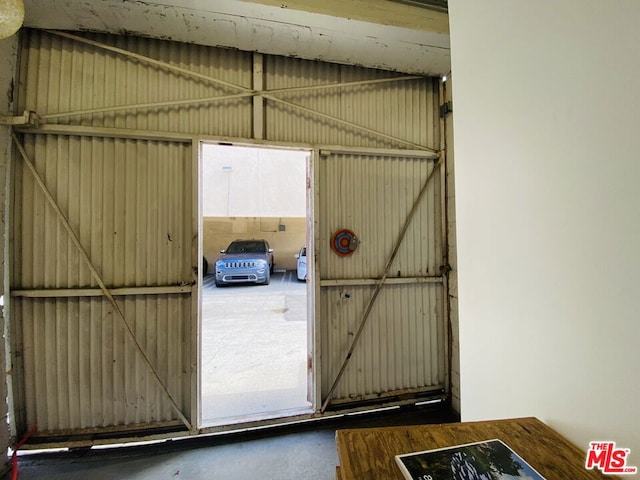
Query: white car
x=302, y=264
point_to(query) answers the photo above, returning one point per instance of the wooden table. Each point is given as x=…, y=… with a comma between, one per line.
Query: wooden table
x=368, y=453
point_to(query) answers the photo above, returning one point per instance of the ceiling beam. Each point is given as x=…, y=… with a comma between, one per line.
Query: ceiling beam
x=383, y=12
x=371, y=33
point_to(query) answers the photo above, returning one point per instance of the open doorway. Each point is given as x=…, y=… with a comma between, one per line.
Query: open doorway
x=254, y=323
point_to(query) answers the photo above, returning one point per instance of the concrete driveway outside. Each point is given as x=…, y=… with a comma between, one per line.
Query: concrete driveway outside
x=254, y=350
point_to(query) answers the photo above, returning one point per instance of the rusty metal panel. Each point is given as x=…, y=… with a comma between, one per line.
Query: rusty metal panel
x=125, y=199
x=400, y=350
x=81, y=371
x=402, y=347
x=404, y=109
x=129, y=202
x=372, y=196
x=65, y=75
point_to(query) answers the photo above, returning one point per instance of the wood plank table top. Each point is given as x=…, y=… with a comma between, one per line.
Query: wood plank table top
x=369, y=453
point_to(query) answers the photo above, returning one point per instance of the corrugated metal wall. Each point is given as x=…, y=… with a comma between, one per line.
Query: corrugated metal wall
x=403, y=109
x=64, y=75
x=131, y=203
x=82, y=373
x=402, y=345
x=373, y=196
x=127, y=201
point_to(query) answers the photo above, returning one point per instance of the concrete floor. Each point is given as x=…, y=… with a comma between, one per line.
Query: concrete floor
x=285, y=453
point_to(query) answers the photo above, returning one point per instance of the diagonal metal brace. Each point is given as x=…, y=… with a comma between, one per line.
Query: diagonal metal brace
x=96, y=275
x=379, y=285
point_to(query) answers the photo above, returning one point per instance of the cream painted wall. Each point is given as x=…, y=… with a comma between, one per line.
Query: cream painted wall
x=250, y=193
x=548, y=213
x=218, y=232
x=253, y=182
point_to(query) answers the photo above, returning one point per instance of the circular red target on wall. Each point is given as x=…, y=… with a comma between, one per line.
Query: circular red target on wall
x=344, y=242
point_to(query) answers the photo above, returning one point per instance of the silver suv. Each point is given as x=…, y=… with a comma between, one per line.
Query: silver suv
x=245, y=261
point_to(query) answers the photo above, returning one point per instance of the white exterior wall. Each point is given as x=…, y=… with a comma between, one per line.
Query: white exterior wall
x=253, y=182
x=548, y=226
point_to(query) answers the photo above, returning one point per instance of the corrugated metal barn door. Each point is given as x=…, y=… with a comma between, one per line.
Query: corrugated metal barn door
x=128, y=202
x=118, y=118
x=381, y=340
x=84, y=366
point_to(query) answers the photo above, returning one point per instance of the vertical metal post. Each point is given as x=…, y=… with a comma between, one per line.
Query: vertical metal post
x=258, y=100
x=446, y=321
x=196, y=289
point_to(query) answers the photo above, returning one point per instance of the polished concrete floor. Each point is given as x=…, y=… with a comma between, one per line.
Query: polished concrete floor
x=297, y=452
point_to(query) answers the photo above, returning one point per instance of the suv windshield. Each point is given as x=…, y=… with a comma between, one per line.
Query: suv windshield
x=247, y=247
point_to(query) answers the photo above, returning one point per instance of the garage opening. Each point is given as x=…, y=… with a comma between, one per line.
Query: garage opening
x=253, y=318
